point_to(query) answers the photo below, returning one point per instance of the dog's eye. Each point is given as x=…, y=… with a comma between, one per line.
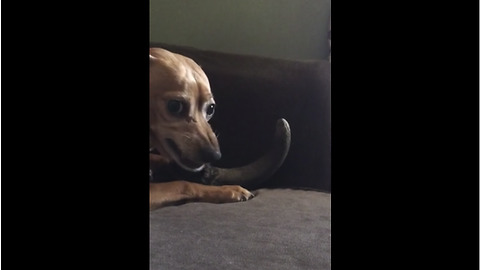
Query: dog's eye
x=210, y=110
x=175, y=107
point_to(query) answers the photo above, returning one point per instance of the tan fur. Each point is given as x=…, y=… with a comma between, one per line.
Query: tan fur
x=175, y=77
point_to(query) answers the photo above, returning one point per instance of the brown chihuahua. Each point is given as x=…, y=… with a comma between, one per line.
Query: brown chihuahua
x=181, y=104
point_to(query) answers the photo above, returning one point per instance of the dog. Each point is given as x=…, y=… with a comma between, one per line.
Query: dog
x=181, y=104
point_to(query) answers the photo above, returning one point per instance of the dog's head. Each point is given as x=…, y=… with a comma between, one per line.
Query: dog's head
x=181, y=104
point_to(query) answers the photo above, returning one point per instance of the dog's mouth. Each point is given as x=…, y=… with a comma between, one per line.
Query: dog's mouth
x=176, y=154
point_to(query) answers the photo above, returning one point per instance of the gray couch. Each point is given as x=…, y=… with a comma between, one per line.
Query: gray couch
x=287, y=224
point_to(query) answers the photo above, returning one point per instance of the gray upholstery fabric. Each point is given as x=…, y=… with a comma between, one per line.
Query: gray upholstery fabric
x=278, y=229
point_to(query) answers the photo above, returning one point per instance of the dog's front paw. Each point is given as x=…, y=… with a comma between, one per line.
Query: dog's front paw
x=238, y=193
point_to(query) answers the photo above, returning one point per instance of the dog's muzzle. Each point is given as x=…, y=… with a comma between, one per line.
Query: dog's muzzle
x=185, y=163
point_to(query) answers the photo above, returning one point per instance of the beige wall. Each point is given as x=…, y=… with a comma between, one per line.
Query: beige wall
x=292, y=29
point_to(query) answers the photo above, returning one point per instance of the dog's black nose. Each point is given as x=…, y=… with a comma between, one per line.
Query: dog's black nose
x=210, y=155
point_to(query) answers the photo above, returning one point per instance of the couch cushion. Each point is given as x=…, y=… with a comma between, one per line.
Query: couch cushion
x=278, y=229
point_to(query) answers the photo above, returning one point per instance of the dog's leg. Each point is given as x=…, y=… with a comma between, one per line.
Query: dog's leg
x=179, y=192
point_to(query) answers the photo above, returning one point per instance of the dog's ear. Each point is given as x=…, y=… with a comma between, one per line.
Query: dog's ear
x=153, y=59
x=152, y=52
